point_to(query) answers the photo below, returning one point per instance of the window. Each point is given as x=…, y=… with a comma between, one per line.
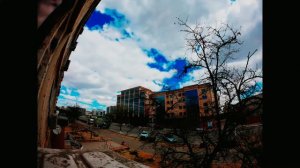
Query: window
x=204, y=97
x=205, y=104
x=203, y=91
x=206, y=110
x=180, y=107
x=209, y=124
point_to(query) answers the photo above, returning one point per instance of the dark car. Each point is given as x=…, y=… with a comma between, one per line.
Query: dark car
x=170, y=138
x=105, y=125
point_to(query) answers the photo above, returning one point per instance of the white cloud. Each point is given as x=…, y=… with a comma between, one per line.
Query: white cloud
x=153, y=21
x=100, y=66
x=254, y=63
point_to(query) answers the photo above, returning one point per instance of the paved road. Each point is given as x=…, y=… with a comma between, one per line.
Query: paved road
x=128, y=130
x=130, y=136
x=132, y=141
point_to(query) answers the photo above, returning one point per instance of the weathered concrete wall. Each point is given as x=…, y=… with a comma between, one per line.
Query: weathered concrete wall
x=57, y=35
x=49, y=158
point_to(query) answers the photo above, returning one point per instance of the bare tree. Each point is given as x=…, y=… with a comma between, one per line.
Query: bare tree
x=213, y=48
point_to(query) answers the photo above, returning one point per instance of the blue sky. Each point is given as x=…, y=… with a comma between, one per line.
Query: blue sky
x=136, y=43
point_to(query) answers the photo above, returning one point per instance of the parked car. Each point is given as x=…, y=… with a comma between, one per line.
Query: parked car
x=144, y=135
x=91, y=121
x=105, y=125
x=170, y=138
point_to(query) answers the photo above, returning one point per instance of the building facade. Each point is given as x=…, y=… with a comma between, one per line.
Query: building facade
x=111, y=109
x=190, y=101
x=133, y=101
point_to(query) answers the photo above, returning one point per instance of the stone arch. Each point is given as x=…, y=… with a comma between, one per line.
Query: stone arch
x=57, y=35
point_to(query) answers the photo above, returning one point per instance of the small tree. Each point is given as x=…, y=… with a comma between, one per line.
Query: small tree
x=120, y=116
x=73, y=112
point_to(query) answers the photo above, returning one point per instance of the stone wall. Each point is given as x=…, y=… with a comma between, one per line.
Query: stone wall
x=57, y=35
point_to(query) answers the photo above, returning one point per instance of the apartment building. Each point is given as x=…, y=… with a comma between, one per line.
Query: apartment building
x=189, y=101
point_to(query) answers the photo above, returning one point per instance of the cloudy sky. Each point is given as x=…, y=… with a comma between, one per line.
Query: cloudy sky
x=128, y=43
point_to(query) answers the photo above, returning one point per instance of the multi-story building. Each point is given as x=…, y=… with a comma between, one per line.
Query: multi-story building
x=133, y=101
x=111, y=109
x=189, y=101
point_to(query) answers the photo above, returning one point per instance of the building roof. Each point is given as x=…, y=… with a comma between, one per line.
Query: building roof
x=137, y=87
x=195, y=85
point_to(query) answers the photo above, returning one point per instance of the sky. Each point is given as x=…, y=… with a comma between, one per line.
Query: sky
x=129, y=43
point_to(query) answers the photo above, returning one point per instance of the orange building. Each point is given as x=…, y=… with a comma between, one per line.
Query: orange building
x=190, y=101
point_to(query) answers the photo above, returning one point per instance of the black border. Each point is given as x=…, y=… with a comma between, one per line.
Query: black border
x=281, y=89
x=19, y=84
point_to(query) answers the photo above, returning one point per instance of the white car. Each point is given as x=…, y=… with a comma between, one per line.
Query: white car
x=91, y=121
x=144, y=135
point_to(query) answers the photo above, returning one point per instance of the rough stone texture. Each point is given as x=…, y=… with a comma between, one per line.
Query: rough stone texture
x=62, y=158
x=56, y=38
x=103, y=146
x=129, y=163
x=59, y=160
x=99, y=159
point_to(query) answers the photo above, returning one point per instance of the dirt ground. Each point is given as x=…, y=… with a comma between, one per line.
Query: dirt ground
x=132, y=148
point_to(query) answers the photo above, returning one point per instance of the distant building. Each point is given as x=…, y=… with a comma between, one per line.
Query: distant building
x=254, y=106
x=134, y=100
x=98, y=112
x=252, y=113
x=111, y=109
x=82, y=110
x=89, y=113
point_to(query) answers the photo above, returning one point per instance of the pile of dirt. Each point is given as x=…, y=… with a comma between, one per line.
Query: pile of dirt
x=141, y=157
